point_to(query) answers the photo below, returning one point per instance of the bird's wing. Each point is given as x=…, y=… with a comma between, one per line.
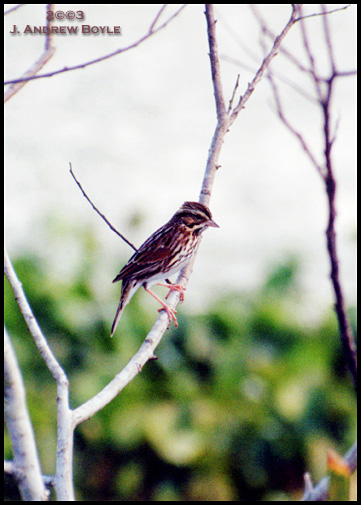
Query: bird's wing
x=142, y=261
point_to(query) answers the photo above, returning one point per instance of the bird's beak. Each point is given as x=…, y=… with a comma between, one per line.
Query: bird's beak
x=212, y=223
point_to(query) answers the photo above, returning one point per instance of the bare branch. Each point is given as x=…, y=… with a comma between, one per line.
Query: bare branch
x=99, y=213
x=225, y=120
x=135, y=365
x=324, y=96
x=346, y=73
x=278, y=75
x=292, y=129
x=347, y=339
x=26, y=466
x=40, y=341
x=266, y=62
x=157, y=17
x=291, y=57
x=277, y=41
x=64, y=484
x=323, y=90
x=271, y=35
x=308, y=482
x=215, y=66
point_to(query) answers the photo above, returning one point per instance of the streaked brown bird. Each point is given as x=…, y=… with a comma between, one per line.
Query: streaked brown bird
x=163, y=254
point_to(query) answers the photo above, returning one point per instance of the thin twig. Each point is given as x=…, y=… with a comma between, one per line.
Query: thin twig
x=157, y=17
x=278, y=75
x=312, y=62
x=233, y=95
x=292, y=129
x=12, y=9
x=99, y=213
x=323, y=13
x=328, y=39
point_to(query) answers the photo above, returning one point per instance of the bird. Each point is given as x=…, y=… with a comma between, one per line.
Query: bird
x=164, y=253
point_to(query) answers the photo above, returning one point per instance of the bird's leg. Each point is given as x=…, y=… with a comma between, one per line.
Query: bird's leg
x=173, y=287
x=170, y=312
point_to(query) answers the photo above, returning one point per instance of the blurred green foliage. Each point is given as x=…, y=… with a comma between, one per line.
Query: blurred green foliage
x=240, y=403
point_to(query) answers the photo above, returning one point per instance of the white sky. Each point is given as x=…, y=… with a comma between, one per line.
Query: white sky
x=137, y=129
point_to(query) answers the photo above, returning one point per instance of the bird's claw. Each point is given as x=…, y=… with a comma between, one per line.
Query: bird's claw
x=174, y=287
x=171, y=313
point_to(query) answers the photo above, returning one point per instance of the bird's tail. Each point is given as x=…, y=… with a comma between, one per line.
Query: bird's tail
x=128, y=290
x=117, y=316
